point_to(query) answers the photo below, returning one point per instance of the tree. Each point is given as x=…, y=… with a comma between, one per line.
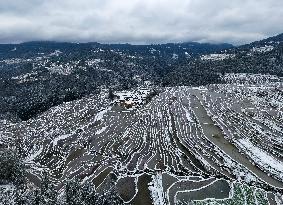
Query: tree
x=111, y=94
x=37, y=198
x=48, y=193
x=73, y=192
x=88, y=194
x=12, y=169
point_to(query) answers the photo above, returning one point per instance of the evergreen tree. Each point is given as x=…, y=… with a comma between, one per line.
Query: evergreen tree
x=37, y=198
x=88, y=194
x=48, y=193
x=12, y=169
x=73, y=192
x=20, y=195
x=111, y=95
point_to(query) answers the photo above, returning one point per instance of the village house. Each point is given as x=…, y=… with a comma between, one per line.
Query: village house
x=129, y=99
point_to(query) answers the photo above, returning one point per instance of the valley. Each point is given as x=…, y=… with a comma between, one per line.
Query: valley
x=162, y=124
x=221, y=141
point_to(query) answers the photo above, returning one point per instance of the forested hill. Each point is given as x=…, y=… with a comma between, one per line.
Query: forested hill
x=265, y=56
x=35, y=76
x=34, y=48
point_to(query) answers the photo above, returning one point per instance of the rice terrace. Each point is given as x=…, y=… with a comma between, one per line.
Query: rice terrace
x=141, y=102
x=220, y=142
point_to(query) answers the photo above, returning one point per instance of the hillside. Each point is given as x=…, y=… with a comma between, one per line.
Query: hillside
x=35, y=76
x=265, y=56
x=189, y=140
x=184, y=123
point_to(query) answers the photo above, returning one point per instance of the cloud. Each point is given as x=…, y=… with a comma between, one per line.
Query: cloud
x=139, y=21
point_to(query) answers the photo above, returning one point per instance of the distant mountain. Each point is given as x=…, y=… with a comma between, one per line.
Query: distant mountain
x=33, y=48
x=270, y=40
x=265, y=56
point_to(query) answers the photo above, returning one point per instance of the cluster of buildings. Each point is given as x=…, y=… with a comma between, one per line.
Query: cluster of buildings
x=129, y=99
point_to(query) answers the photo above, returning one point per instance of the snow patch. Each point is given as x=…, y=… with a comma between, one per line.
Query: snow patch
x=61, y=137
x=261, y=157
x=217, y=57
x=262, y=49
x=34, y=155
x=156, y=190
x=101, y=130
x=100, y=114
x=188, y=115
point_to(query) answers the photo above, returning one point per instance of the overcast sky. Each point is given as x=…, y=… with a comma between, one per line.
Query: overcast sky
x=140, y=21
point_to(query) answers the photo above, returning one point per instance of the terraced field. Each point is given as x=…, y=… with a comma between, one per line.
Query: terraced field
x=220, y=144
